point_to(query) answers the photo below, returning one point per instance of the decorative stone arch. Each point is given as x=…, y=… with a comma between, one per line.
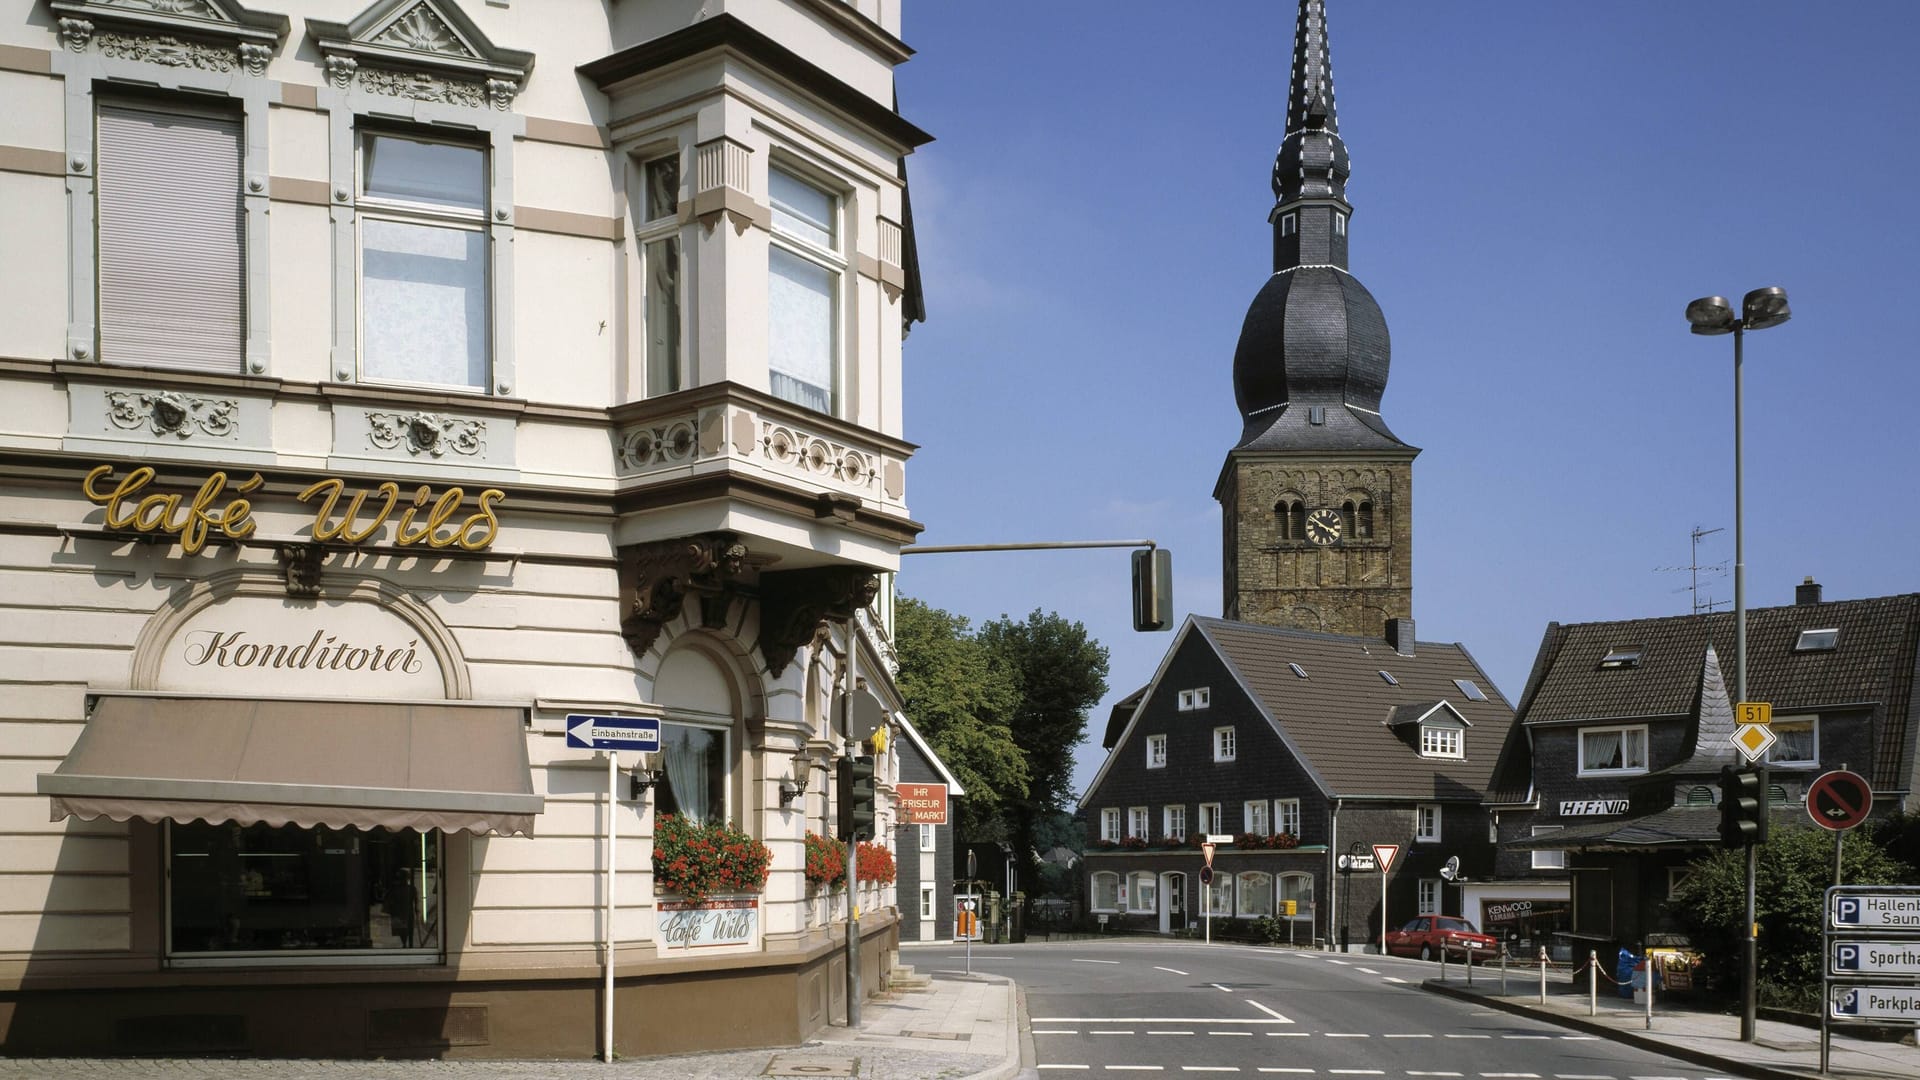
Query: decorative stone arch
x=742, y=676
x=1290, y=514
x=1360, y=508
x=180, y=609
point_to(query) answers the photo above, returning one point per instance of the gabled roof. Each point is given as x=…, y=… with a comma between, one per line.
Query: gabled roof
x=1871, y=663
x=1119, y=715
x=954, y=788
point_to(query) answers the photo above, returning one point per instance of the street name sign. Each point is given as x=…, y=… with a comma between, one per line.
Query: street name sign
x=1384, y=855
x=1874, y=1003
x=590, y=732
x=1752, y=740
x=1219, y=838
x=1874, y=958
x=1863, y=911
x=1839, y=800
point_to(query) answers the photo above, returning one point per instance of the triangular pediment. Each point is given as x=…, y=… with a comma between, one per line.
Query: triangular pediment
x=431, y=38
x=226, y=22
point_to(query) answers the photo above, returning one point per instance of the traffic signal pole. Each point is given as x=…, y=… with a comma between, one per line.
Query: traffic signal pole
x=853, y=865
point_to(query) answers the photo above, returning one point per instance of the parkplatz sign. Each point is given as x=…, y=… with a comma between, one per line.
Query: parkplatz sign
x=1873, y=956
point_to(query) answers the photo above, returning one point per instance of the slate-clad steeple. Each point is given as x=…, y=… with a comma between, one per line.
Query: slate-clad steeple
x=1310, y=171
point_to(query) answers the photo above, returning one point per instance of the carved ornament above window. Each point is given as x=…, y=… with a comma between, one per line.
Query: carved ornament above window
x=427, y=50
x=209, y=35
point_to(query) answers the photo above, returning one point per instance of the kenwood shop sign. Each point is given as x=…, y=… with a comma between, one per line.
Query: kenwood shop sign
x=1592, y=807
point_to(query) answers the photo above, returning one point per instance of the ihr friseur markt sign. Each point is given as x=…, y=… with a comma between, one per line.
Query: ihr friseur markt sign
x=424, y=519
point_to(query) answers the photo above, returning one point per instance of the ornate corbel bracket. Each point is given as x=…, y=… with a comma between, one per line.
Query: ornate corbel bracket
x=796, y=604
x=300, y=563
x=655, y=579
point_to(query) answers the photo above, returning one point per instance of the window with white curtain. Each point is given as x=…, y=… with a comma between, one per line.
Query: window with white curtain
x=929, y=839
x=1426, y=823
x=1106, y=892
x=424, y=303
x=1286, y=816
x=804, y=271
x=1137, y=822
x=1797, y=742
x=170, y=235
x=926, y=901
x=659, y=236
x=1156, y=751
x=1225, y=746
x=1110, y=824
x=1613, y=750
x=696, y=763
x=1256, y=894
x=1254, y=817
x=1173, y=820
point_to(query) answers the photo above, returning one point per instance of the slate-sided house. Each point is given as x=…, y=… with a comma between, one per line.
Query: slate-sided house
x=923, y=853
x=1304, y=745
x=1624, y=727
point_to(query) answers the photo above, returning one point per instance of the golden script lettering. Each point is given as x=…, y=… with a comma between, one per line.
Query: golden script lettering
x=193, y=521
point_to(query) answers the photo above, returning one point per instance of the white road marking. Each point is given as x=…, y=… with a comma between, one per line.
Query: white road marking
x=1392, y=1036
x=1109, y=1032
x=1277, y=1018
x=1077, y=960
x=1452, y=1036
x=1596, y=1038
x=1342, y=963
x=1063, y=1066
x=1345, y=1035
x=1055, y=1031
x=1659, y=1078
x=1357, y=1072
x=1369, y=971
x=1411, y=1072
x=1176, y=971
x=1290, y=1034
x=1597, y=1076
x=1526, y=1036
x=1518, y=1076
x=1278, y=1069
x=1391, y=979
x=1169, y=1032
x=1220, y=988
x=1135, y=1068
x=1209, y=1068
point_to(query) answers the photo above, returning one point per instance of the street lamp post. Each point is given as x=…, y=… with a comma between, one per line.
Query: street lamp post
x=1712, y=315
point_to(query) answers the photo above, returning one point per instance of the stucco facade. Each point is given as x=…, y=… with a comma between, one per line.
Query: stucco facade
x=416, y=361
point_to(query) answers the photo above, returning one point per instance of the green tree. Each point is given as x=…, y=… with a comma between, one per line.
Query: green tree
x=1790, y=881
x=1060, y=674
x=963, y=702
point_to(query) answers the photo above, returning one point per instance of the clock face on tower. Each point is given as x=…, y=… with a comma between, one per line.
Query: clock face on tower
x=1323, y=527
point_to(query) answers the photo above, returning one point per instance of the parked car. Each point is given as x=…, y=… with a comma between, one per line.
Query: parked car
x=1427, y=935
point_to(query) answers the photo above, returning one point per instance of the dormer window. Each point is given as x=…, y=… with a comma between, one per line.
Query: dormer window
x=1818, y=640
x=1625, y=656
x=1289, y=224
x=1438, y=741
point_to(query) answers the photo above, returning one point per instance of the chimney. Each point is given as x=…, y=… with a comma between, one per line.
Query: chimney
x=1400, y=636
x=1807, y=592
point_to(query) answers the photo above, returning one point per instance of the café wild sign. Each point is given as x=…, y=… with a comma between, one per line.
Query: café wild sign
x=424, y=520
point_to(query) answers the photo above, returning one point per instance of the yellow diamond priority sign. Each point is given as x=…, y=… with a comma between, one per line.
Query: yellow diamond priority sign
x=1752, y=740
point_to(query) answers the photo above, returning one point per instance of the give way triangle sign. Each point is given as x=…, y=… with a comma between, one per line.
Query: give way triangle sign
x=1384, y=854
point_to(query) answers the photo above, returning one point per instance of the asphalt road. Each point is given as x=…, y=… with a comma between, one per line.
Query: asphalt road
x=1152, y=1007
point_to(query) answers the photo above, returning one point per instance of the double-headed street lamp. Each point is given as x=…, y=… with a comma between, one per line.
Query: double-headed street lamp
x=1709, y=315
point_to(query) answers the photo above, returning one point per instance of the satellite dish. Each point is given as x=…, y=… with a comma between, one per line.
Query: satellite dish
x=1452, y=869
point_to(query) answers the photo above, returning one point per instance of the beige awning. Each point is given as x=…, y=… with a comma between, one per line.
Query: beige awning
x=342, y=764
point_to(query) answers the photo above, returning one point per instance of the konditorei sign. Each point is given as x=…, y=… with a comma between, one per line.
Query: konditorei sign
x=264, y=644
x=427, y=520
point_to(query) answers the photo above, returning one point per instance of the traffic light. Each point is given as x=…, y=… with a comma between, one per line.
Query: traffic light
x=855, y=776
x=1743, y=807
x=1153, y=589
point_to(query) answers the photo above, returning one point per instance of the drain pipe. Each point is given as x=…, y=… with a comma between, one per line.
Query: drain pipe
x=1333, y=875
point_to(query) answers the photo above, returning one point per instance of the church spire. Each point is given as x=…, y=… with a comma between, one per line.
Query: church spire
x=1310, y=171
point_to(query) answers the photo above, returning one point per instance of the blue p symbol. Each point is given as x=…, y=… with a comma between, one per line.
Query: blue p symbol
x=1849, y=957
x=1850, y=1003
x=1849, y=910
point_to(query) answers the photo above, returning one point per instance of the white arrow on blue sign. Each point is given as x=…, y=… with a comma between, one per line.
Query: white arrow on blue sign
x=613, y=732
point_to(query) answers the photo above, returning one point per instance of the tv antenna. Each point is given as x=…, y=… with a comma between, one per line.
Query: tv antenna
x=1694, y=569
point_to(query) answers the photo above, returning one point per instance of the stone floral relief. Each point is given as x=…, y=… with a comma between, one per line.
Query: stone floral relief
x=427, y=433
x=422, y=30
x=167, y=50
x=818, y=457
x=671, y=442
x=171, y=413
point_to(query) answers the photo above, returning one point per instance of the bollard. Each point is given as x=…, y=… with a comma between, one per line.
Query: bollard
x=1652, y=960
x=1503, y=969
x=1443, y=962
x=1469, y=963
x=1543, y=974
x=1593, y=982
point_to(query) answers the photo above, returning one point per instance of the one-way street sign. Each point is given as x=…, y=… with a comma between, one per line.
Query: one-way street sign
x=613, y=732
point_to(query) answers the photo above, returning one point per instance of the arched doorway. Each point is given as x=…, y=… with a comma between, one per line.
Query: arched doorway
x=1173, y=904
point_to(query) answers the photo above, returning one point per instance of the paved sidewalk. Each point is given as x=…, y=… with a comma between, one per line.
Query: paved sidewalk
x=1780, y=1051
x=956, y=1028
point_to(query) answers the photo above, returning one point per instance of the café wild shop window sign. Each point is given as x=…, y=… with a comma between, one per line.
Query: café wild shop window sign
x=425, y=518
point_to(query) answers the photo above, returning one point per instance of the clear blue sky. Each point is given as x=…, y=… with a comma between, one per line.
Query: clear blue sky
x=1538, y=190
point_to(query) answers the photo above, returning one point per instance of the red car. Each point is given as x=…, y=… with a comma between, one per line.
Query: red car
x=1427, y=935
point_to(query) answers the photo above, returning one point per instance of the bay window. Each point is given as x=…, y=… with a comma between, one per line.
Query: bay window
x=659, y=235
x=804, y=272
x=423, y=245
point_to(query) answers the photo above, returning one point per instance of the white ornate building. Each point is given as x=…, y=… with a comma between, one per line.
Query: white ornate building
x=385, y=381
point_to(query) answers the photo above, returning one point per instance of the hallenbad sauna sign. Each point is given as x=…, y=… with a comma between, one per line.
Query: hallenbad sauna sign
x=426, y=519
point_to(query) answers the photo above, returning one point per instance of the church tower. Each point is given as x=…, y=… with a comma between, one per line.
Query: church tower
x=1317, y=497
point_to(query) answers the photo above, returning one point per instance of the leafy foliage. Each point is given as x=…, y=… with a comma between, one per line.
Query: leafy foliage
x=1794, y=869
x=963, y=702
x=697, y=861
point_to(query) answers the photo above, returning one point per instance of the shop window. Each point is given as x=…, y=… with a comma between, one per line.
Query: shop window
x=1156, y=751
x=1549, y=859
x=1797, y=742
x=1429, y=898
x=235, y=891
x=170, y=237
x=1220, y=895
x=696, y=760
x=1286, y=816
x=1426, y=823
x=1613, y=750
x=1174, y=818
x=659, y=236
x=804, y=272
x=1106, y=892
x=1142, y=893
x=1256, y=895
x=1254, y=817
x=424, y=304
x=1299, y=889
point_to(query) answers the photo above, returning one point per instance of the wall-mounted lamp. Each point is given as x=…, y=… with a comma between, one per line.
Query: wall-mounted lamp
x=641, y=779
x=796, y=785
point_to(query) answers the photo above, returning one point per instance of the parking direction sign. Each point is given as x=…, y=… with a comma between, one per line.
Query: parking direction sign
x=1839, y=800
x=613, y=732
x=1868, y=911
x=1874, y=1003
x=1874, y=958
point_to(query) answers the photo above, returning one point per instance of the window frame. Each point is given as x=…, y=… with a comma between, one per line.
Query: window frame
x=1580, y=750
x=1139, y=823
x=831, y=258
x=1140, y=881
x=1426, y=823
x=1225, y=744
x=928, y=898
x=1812, y=722
x=1093, y=892
x=1208, y=822
x=1247, y=816
x=1556, y=857
x=1443, y=741
x=650, y=230
x=1254, y=878
x=929, y=838
x=729, y=765
x=369, y=207
x=1173, y=821
x=1284, y=809
x=1427, y=896
x=1156, y=751
x=1195, y=699
x=1303, y=911
x=1110, y=824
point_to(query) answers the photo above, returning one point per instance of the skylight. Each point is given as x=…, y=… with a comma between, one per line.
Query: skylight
x=1298, y=670
x=1471, y=689
x=1388, y=676
x=1818, y=640
x=1625, y=656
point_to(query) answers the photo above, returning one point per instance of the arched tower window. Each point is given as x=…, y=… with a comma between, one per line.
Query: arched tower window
x=1291, y=514
x=1358, y=514
x=1363, y=524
